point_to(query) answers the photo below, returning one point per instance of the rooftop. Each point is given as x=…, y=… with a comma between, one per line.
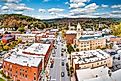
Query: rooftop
x=23, y=59
x=71, y=32
x=89, y=56
x=86, y=74
x=54, y=30
x=90, y=37
x=25, y=34
x=38, y=48
x=116, y=76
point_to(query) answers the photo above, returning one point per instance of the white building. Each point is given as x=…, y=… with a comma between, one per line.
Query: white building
x=26, y=37
x=91, y=59
x=98, y=74
x=88, y=74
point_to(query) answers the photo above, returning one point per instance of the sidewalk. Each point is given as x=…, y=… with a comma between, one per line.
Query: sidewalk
x=73, y=78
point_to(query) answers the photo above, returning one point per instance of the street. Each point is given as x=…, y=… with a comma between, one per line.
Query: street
x=58, y=72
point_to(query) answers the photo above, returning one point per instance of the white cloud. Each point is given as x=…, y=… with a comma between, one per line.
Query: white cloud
x=115, y=15
x=42, y=10
x=79, y=1
x=4, y=8
x=77, y=5
x=11, y=1
x=17, y=7
x=86, y=10
x=116, y=6
x=45, y=0
x=116, y=12
x=104, y=6
x=92, y=6
x=66, y=3
x=55, y=10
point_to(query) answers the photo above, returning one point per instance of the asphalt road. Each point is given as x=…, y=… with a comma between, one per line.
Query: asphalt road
x=55, y=72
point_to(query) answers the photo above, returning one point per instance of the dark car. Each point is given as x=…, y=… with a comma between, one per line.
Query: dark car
x=62, y=63
x=62, y=74
x=51, y=66
x=61, y=54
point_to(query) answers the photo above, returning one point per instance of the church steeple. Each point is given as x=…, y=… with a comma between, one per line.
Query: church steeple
x=78, y=26
x=79, y=31
x=69, y=26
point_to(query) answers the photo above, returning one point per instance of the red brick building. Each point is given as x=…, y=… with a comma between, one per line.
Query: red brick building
x=26, y=65
x=70, y=36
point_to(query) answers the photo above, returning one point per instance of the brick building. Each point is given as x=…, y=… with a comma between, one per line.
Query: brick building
x=26, y=64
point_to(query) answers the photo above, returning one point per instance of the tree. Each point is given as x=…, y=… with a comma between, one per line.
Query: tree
x=6, y=48
x=116, y=29
x=19, y=40
x=70, y=48
x=63, y=33
x=21, y=29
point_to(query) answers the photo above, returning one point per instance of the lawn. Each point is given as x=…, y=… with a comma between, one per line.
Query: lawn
x=2, y=79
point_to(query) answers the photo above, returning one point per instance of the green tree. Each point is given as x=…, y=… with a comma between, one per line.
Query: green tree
x=116, y=29
x=70, y=48
x=21, y=29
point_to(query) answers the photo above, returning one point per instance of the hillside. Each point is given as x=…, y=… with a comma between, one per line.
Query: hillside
x=18, y=20
x=85, y=22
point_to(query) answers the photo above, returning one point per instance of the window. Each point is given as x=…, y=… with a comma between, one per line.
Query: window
x=23, y=75
x=26, y=76
x=26, y=71
x=97, y=63
x=34, y=73
x=34, y=78
x=16, y=72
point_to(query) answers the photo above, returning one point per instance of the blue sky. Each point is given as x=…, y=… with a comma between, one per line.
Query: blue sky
x=47, y=9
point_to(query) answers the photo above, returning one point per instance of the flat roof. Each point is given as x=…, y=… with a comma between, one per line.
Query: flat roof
x=38, y=48
x=86, y=74
x=71, y=32
x=89, y=56
x=116, y=76
x=25, y=34
x=90, y=37
x=24, y=59
x=54, y=30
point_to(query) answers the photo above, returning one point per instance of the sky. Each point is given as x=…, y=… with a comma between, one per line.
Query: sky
x=49, y=9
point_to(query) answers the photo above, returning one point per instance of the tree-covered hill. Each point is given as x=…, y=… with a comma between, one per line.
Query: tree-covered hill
x=18, y=20
x=85, y=22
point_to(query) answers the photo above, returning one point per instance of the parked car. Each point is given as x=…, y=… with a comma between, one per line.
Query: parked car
x=62, y=63
x=62, y=74
x=51, y=66
x=61, y=54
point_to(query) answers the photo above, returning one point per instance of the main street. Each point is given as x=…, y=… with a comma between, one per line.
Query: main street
x=58, y=72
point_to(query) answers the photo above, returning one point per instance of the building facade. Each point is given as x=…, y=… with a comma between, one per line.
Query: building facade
x=26, y=64
x=26, y=37
x=90, y=59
